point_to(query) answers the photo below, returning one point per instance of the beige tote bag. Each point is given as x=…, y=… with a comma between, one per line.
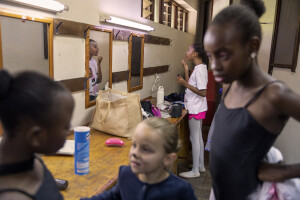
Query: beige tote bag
x=116, y=112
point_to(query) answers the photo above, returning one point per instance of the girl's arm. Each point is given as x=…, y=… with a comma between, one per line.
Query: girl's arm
x=183, y=82
x=287, y=103
x=99, y=69
x=278, y=172
x=112, y=194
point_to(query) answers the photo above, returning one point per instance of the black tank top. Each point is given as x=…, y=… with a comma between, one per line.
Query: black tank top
x=47, y=191
x=238, y=146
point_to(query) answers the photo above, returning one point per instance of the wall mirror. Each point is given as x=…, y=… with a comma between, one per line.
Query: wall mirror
x=26, y=43
x=98, y=64
x=135, y=62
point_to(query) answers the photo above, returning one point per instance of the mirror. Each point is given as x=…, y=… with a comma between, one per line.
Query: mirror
x=135, y=62
x=26, y=44
x=98, y=65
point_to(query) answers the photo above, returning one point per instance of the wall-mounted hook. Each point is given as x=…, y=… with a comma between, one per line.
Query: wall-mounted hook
x=129, y=36
x=117, y=34
x=84, y=34
x=57, y=26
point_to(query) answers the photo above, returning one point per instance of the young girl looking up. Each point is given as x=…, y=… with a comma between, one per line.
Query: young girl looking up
x=195, y=103
x=35, y=113
x=254, y=108
x=153, y=151
x=95, y=70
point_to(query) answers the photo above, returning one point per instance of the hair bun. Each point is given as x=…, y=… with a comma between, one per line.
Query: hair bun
x=5, y=82
x=257, y=6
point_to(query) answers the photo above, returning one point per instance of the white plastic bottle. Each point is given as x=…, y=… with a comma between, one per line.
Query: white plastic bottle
x=160, y=95
x=106, y=86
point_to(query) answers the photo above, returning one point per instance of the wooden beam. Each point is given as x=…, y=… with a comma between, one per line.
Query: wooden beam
x=75, y=84
x=153, y=70
x=65, y=27
x=120, y=76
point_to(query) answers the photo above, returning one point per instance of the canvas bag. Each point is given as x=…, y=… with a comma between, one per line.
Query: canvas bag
x=116, y=112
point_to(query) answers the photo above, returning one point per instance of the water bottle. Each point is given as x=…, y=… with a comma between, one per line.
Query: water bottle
x=82, y=150
x=160, y=95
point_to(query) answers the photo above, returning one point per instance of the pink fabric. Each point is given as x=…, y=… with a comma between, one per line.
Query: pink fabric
x=273, y=192
x=200, y=115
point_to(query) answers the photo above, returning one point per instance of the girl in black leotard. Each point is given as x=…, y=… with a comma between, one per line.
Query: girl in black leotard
x=254, y=108
x=35, y=113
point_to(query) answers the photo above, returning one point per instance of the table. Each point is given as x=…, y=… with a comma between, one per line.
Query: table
x=104, y=167
x=104, y=162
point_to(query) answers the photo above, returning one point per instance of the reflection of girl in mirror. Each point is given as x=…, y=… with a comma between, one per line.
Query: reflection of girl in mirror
x=95, y=73
x=35, y=112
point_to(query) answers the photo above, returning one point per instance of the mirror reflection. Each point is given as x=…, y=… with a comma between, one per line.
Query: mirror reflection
x=99, y=63
x=24, y=45
x=136, y=60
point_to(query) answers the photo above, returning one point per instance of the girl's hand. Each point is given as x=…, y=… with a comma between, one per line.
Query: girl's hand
x=272, y=172
x=90, y=73
x=185, y=66
x=181, y=81
x=100, y=59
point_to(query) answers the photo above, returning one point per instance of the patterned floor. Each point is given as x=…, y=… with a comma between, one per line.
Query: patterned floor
x=201, y=185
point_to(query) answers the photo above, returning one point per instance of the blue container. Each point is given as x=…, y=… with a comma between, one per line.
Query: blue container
x=82, y=150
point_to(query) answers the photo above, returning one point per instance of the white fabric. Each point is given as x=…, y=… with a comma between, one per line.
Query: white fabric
x=194, y=103
x=287, y=190
x=195, y=126
x=93, y=83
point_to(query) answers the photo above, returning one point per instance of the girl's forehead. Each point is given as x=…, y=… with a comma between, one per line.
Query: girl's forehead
x=145, y=132
x=218, y=35
x=94, y=44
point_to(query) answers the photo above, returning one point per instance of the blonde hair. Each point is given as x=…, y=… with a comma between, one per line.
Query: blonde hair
x=168, y=132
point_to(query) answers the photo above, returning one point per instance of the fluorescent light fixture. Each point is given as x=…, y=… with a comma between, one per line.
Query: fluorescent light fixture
x=50, y=5
x=123, y=22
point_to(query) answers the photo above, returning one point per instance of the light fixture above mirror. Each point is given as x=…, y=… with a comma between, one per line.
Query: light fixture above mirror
x=50, y=5
x=104, y=17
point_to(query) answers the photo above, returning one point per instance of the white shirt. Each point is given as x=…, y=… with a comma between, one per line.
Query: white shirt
x=94, y=77
x=195, y=103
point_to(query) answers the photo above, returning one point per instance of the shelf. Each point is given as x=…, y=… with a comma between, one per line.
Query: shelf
x=146, y=4
x=146, y=13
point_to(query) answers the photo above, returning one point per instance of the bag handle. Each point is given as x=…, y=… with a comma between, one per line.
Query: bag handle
x=108, y=109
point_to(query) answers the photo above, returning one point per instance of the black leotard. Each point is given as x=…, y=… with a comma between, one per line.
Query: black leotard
x=238, y=146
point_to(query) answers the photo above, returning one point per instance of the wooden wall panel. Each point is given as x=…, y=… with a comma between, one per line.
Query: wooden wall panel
x=65, y=27
x=120, y=76
x=153, y=70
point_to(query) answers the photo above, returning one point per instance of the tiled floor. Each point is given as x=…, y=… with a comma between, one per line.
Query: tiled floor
x=201, y=185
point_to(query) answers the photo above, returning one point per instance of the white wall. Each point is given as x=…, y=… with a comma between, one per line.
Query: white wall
x=69, y=52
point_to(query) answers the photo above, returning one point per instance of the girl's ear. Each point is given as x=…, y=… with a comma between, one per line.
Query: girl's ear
x=170, y=158
x=254, y=44
x=195, y=54
x=36, y=137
